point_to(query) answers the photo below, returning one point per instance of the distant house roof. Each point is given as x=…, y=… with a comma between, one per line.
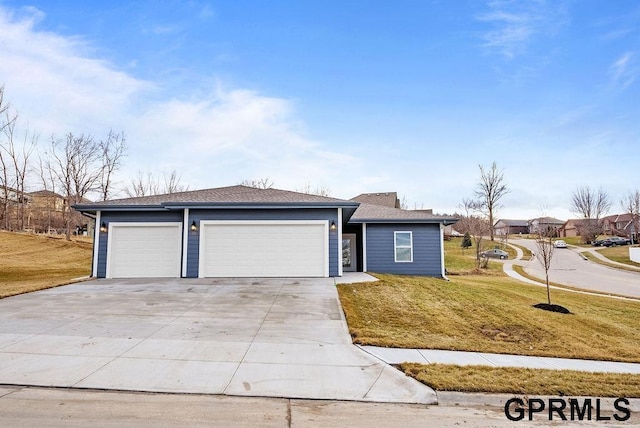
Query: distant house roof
x=385, y=199
x=618, y=217
x=370, y=213
x=232, y=196
x=46, y=194
x=546, y=220
x=514, y=223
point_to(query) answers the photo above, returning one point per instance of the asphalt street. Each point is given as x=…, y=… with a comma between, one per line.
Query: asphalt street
x=569, y=268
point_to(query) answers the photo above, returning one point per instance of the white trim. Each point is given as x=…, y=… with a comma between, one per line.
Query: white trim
x=339, y=243
x=203, y=223
x=444, y=274
x=395, y=246
x=133, y=224
x=185, y=242
x=364, y=247
x=96, y=244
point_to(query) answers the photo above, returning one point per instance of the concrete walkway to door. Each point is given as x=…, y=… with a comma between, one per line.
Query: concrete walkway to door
x=250, y=337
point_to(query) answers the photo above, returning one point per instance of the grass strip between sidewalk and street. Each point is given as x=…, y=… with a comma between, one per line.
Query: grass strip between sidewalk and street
x=594, y=259
x=512, y=380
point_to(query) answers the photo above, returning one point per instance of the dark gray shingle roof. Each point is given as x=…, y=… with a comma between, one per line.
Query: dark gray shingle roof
x=386, y=199
x=369, y=213
x=219, y=196
x=222, y=195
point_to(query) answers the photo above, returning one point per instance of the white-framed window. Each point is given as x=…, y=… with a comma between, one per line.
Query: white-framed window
x=403, y=246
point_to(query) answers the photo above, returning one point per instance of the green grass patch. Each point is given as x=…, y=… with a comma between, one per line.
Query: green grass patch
x=509, y=380
x=489, y=313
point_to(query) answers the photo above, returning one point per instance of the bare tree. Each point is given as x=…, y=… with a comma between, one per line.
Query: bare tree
x=18, y=154
x=488, y=192
x=172, y=182
x=321, y=190
x=6, y=120
x=544, y=253
x=476, y=226
x=113, y=149
x=631, y=205
x=260, y=183
x=591, y=205
x=146, y=184
x=75, y=162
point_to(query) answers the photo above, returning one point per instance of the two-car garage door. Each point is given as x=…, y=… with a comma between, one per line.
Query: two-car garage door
x=263, y=249
x=226, y=249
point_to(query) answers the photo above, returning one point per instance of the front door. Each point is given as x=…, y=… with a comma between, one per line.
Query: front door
x=349, y=258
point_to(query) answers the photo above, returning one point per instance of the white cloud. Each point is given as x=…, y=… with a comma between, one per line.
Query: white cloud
x=213, y=139
x=624, y=71
x=515, y=24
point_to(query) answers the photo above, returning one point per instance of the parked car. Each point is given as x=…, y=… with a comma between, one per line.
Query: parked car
x=612, y=242
x=495, y=254
x=597, y=242
x=559, y=244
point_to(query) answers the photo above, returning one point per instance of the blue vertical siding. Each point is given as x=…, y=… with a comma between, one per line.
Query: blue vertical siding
x=193, y=252
x=132, y=216
x=426, y=249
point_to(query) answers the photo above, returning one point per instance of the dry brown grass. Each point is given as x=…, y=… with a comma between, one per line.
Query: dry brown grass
x=32, y=262
x=618, y=254
x=444, y=377
x=488, y=313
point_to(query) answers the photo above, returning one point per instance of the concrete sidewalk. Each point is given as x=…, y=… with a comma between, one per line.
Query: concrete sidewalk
x=431, y=356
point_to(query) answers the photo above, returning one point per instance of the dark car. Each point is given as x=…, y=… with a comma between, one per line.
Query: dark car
x=597, y=242
x=612, y=242
x=495, y=253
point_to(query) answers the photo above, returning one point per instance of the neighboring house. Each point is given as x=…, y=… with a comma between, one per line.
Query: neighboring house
x=545, y=224
x=574, y=227
x=46, y=211
x=619, y=225
x=240, y=231
x=511, y=227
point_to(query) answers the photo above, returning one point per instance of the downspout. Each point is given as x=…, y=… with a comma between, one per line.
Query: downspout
x=340, y=242
x=364, y=247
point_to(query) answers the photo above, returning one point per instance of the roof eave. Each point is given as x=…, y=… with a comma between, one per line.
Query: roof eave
x=445, y=221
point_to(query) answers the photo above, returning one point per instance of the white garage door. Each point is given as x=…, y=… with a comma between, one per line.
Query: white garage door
x=264, y=249
x=144, y=250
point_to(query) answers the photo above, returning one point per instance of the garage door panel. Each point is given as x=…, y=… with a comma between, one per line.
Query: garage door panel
x=137, y=251
x=264, y=249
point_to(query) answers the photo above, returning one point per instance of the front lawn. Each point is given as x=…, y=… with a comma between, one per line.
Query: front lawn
x=31, y=262
x=489, y=313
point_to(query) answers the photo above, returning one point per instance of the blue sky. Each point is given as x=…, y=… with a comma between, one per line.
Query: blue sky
x=356, y=96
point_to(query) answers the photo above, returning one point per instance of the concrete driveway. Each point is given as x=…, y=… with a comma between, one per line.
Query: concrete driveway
x=250, y=337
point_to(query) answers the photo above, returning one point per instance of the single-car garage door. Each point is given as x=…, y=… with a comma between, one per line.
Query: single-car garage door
x=144, y=250
x=264, y=249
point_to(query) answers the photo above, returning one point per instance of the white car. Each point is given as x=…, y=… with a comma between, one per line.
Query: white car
x=559, y=244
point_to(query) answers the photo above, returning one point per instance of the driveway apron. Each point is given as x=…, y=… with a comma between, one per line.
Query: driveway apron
x=247, y=337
